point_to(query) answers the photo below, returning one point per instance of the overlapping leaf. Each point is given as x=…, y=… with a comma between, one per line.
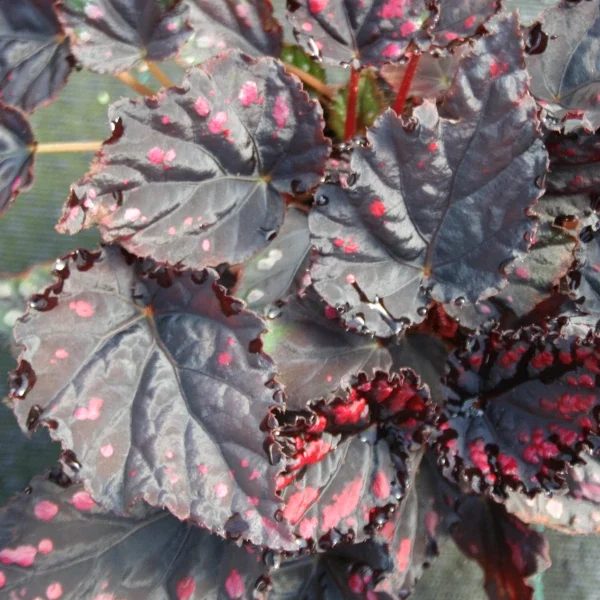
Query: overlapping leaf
x=57, y=542
x=440, y=203
x=460, y=19
x=112, y=36
x=519, y=407
x=248, y=26
x=366, y=33
x=575, y=510
x=155, y=388
x=196, y=176
x=17, y=146
x=317, y=356
x=349, y=459
x=565, y=76
x=35, y=58
x=280, y=269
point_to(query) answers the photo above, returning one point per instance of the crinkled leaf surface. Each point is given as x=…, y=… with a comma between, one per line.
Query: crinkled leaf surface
x=35, y=58
x=519, y=407
x=575, y=510
x=17, y=146
x=280, y=269
x=56, y=542
x=566, y=75
x=248, y=26
x=439, y=203
x=369, y=105
x=196, y=175
x=15, y=289
x=586, y=279
x=506, y=549
x=317, y=356
x=371, y=32
x=348, y=458
x=460, y=19
x=152, y=385
x=112, y=36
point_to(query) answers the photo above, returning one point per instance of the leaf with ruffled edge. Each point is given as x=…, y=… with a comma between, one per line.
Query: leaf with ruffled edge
x=565, y=76
x=196, y=176
x=520, y=406
x=248, y=26
x=35, y=58
x=56, y=542
x=112, y=36
x=17, y=148
x=371, y=32
x=425, y=212
x=156, y=385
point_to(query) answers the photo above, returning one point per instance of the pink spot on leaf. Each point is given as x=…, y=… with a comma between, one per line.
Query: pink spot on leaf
x=403, y=554
x=206, y=245
x=107, y=451
x=186, y=588
x=522, y=273
x=54, y=591
x=469, y=22
x=316, y=6
x=61, y=354
x=156, y=155
x=82, y=501
x=131, y=214
x=248, y=93
x=234, y=585
x=221, y=490
x=24, y=556
x=217, y=123
x=45, y=510
x=377, y=208
x=298, y=503
x=201, y=106
x=344, y=504
x=45, y=546
x=381, y=486
x=281, y=111
x=82, y=308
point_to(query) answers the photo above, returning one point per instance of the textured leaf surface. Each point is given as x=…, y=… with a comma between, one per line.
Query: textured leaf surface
x=248, y=26
x=566, y=76
x=505, y=548
x=587, y=276
x=112, y=36
x=369, y=105
x=519, y=407
x=16, y=155
x=280, y=269
x=57, y=543
x=575, y=510
x=348, y=457
x=15, y=290
x=153, y=386
x=35, y=59
x=439, y=203
x=196, y=175
x=460, y=19
x=372, y=32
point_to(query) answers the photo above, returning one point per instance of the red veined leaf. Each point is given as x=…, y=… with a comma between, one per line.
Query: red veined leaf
x=416, y=223
x=195, y=176
x=520, y=406
x=460, y=19
x=35, y=58
x=112, y=36
x=155, y=385
x=56, y=542
x=17, y=147
x=370, y=32
x=248, y=26
x=281, y=269
x=564, y=77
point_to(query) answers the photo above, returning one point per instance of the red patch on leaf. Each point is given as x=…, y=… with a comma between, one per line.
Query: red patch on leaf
x=344, y=504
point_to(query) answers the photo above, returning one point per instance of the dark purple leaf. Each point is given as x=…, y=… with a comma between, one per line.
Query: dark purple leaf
x=55, y=542
x=317, y=357
x=586, y=278
x=348, y=458
x=460, y=19
x=439, y=203
x=564, y=77
x=196, y=175
x=371, y=32
x=17, y=146
x=575, y=510
x=155, y=385
x=519, y=407
x=35, y=58
x=112, y=36
x=505, y=548
x=280, y=269
x=248, y=26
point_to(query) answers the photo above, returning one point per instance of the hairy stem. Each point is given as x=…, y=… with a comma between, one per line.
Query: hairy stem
x=159, y=74
x=406, y=83
x=62, y=147
x=134, y=84
x=352, y=106
x=310, y=80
